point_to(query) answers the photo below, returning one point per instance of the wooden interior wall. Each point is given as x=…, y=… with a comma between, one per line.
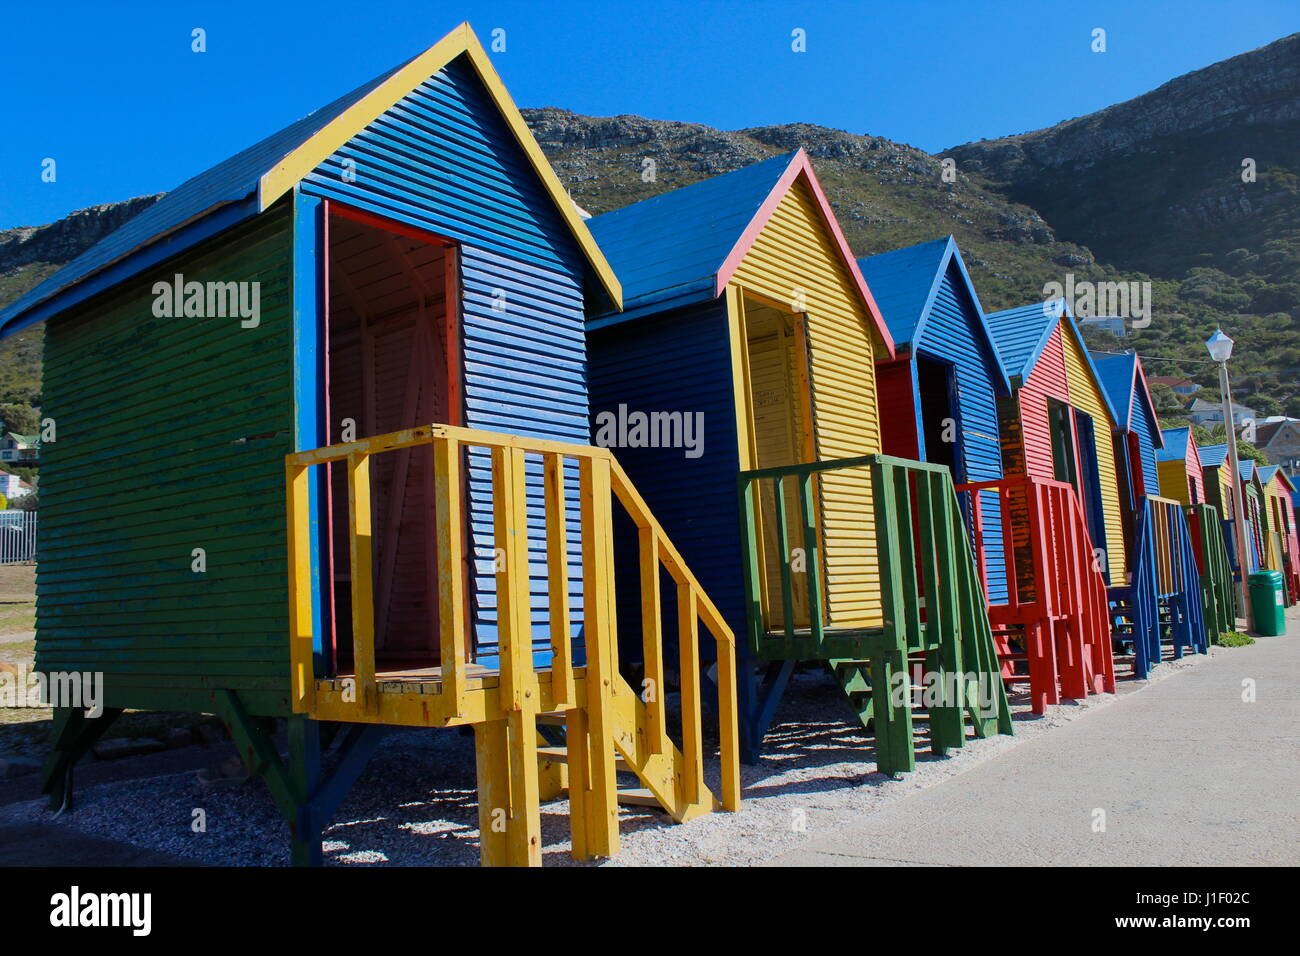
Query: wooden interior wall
x=387, y=371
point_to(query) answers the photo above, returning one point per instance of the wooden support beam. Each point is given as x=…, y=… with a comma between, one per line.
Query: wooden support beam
x=361, y=557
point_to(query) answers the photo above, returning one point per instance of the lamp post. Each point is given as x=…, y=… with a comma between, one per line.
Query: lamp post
x=1220, y=347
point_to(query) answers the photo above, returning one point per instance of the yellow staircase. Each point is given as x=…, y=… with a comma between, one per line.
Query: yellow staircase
x=607, y=726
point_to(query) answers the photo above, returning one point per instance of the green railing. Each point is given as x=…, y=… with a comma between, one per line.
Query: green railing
x=1217, y=591
x=919, y=561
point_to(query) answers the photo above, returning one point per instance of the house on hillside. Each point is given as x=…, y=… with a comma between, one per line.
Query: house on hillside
x=1108, y=323
x=1279, y=440
x=1210, y=414
x=1181, y=386
x=20, y=450
x=11, y=486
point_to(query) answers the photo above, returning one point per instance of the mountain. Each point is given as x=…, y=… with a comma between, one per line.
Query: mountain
x=885, y=194
x=1155, y=183
x=30, y=253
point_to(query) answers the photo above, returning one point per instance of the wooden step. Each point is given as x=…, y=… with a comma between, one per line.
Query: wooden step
x=639, y=797
x=561, y=755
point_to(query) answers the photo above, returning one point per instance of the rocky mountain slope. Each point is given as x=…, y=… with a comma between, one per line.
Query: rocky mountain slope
x=1155, y=183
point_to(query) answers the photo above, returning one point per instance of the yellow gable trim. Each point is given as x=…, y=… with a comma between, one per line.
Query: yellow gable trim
x=461, y=41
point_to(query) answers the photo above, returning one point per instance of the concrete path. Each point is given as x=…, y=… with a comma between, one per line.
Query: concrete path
x=1183, y=772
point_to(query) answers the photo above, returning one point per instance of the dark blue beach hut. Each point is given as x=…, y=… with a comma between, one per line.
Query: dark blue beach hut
x=939, y=394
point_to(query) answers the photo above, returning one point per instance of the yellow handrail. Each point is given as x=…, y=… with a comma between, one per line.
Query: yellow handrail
x=601, y=480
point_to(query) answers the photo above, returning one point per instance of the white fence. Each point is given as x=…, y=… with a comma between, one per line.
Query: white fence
x=17, y=536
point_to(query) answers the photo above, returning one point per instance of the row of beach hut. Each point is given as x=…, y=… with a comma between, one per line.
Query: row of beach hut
x=596, y=488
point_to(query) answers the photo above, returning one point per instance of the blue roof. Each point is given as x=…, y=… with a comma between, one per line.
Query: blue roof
x=1212, y=456
x=229, y=181
x=904, y=282
x=1115, y=372
x=1119, y=378
x=672, y=246
x=1021, y=334
x=1266, y=473
x=1175, y=444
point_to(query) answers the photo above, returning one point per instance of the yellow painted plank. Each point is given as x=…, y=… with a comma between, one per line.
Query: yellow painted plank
x=602, y=805
x=652, y=654
x=452, y=618
x=1085, y=394
x=361, y=557
x=794, y=261
x=302, y=674
x=557, y=577
x=688, y=643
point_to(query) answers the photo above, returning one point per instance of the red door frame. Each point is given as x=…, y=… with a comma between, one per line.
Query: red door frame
x=453, y=353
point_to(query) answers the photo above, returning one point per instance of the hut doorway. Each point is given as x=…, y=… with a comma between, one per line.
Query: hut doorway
x=1074, y=460
x=937, y=387
x=392, y=363
x=780, y=426
x=1088, y=482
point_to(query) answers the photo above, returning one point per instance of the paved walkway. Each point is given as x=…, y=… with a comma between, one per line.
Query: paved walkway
x=1185, y=772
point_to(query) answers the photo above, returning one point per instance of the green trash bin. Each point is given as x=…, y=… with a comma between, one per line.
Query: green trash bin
x=1266, y=602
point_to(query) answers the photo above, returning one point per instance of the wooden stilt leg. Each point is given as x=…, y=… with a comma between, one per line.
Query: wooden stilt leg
x=524, y=832
x=493, y=791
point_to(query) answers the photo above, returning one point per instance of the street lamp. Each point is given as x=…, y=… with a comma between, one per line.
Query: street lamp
x=1220, y=348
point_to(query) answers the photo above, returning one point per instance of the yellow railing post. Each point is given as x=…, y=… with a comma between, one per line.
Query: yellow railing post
x=518, y=685
x=361, y=556
x=688, y=641
x=601, y=804
x=302, y=669
x=652, y=653
x=451, y=577
x=557, y=577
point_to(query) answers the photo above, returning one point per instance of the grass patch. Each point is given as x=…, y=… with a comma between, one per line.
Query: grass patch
x=1234, y=639
x=17, y=617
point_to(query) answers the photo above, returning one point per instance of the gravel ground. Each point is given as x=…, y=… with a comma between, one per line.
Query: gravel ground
x=416, y=802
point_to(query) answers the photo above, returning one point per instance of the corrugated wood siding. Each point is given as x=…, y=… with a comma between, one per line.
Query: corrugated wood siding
x=1141, y=426
x=795, y=256
x=444, y=160
x=172, y=434
x=953, y=333
x=896, y=390
x=678, y=361
x=1218, y=490
x=1173, y=481
x=1085, y=394
x=1195, y=475
x=1047, y=380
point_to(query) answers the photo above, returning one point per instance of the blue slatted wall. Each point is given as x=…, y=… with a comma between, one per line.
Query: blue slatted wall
x=953, y=333
x=679, y=361
x=1142, y=426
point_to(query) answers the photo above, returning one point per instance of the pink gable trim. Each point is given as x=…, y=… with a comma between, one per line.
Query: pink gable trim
x=801, y=165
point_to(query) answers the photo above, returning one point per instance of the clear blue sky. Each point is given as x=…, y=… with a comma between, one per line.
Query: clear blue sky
x=112, y=91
